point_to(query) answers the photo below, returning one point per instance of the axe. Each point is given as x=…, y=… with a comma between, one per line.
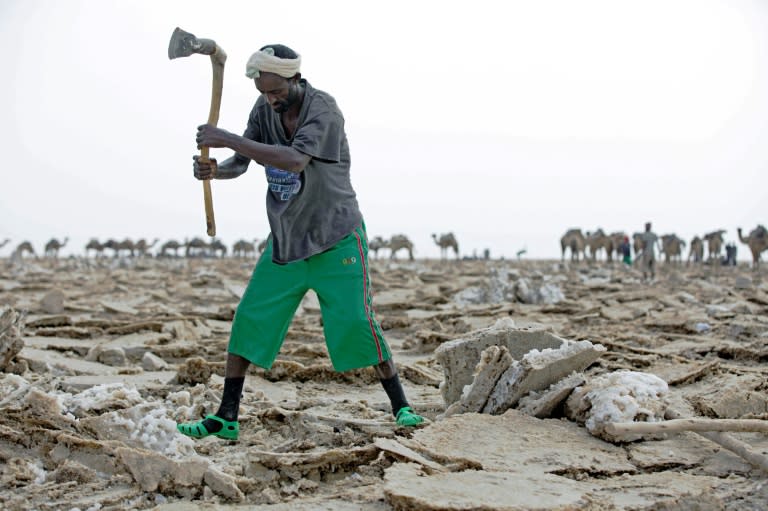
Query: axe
x=184, y=44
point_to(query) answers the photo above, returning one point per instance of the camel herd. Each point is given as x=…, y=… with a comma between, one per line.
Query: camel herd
x=590, y=245
x=582, y=245
x=198, y=247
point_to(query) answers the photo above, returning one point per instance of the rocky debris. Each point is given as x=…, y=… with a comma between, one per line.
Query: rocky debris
x=53, y=302
x=151, y=362
x=11, y=326
x=505, y=285
x=532, y=292
x=194, y=370
x=732, y=398
x=315, y=439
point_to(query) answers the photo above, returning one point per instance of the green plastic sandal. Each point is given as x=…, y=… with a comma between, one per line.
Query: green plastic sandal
x=406, y=417
x=229, y=429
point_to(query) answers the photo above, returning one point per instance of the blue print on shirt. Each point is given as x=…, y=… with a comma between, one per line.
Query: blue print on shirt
x=285, y=184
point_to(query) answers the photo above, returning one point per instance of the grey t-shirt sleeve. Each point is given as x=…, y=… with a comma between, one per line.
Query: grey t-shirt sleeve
x=251, y=132
x=321, y=135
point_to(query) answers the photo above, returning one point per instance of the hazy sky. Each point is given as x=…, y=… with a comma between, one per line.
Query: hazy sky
x=504, y=122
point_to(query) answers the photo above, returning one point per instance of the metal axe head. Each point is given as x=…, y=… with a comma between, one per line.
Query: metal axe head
x=184, y=44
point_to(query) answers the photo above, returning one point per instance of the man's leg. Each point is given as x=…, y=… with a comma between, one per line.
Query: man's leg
x=387, y=373
x=354, y=338
x=234, y=379
x=258, y=329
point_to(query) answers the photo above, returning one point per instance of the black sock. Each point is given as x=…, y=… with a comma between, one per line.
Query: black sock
x=230, y=404
x=395, y=392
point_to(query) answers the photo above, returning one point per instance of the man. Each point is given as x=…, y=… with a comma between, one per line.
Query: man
x=317, y=241
x=648, y=241
x=625, y=251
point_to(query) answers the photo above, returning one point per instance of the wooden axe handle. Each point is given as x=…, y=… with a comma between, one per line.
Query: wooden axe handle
x=218, y=58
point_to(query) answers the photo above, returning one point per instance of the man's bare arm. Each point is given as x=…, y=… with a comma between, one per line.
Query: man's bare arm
x=231, y=168
x=282, y=157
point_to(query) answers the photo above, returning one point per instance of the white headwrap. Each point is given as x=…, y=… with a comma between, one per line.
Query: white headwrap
x=265, y=60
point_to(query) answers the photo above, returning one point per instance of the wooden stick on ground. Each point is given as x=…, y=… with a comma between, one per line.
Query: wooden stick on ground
x=696, y=425
x=728, y=442
x=722, y=439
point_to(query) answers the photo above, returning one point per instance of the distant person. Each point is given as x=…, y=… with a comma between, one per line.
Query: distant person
x=625, y=250
x=730, y=255
x=317, y=240
x=647, y=259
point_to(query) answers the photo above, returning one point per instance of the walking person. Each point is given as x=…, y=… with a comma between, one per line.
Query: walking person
x=648, y=240
x=625, y=250
x=317, y=237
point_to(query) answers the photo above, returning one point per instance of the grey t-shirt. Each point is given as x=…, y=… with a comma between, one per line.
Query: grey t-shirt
x=649, y=244
x=311, y=211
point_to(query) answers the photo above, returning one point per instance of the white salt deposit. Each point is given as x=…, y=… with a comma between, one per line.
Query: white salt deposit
x=12, y=387
x=102, y=397
x=624, y=396
x=152, y=429
x=181, y=398
x=541, y=358
x=38, y=470
x=505, y=323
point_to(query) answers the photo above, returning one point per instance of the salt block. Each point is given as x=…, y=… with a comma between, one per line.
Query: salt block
x=459, y=357
x=151, y=362
x=538, y=370
x=223, y=484
x=153, y=471
x=494, y=361
x=53, y=302
x=407, y=486
x=542, y=404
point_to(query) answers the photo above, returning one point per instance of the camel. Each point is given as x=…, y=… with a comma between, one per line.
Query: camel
x=757, y=241
x=119, y=246
x=597, y=241
x=168, y=246
x=243, y=248
x=672, y=247
x=94, y=245
x=53, y=246
x=397, y=242
x=376, y=244
x=196, y=247
x=617, y=238
x=714, y=244
x=142, y=247
x=446, y=241
x=216, y=246
x=24, y=246
x=573, y=239
x=696, y=252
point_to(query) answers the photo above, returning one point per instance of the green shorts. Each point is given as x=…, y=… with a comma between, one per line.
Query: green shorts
x=340, y=278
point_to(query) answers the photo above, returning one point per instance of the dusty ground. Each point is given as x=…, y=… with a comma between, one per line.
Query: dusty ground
x=115, y=351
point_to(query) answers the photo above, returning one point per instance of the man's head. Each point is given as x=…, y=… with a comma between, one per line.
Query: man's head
x=648, y=226
x=275, y=70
